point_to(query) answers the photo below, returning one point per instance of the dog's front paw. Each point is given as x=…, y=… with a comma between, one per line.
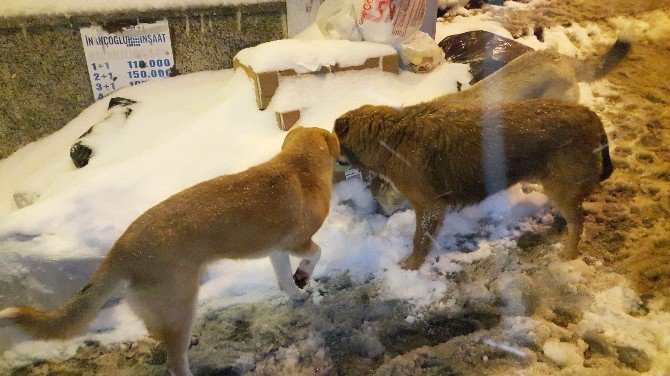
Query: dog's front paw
x=411, y=263
x=300, y=278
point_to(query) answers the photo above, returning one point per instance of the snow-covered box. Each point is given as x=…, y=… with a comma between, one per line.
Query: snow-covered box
x=268, y=63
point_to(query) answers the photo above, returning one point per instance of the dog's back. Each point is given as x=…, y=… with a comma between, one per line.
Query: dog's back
x=541, y=74
x=451, y=155
x=230, y=216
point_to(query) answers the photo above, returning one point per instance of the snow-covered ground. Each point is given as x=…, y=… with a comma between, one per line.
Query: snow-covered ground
x=187, y=129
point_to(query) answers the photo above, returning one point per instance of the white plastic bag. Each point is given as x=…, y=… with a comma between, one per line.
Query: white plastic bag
x=336, y=20
x=381, y=21
x=420, y=53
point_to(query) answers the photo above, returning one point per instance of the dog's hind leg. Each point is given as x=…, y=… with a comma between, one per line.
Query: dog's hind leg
x=282, y=266
x=571, y=209
x=310, y=254
x=569, y=181
x=167, y=307
x=428, y=223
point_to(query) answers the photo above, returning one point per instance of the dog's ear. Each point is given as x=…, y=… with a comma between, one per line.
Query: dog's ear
x=333, y=144
x=341, y=126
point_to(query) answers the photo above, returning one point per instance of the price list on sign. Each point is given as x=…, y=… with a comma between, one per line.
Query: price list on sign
x=127, y=57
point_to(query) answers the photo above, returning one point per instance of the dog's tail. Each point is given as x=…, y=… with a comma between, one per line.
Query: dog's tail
x=73, y=317
x=607, y=166
x=594, y=69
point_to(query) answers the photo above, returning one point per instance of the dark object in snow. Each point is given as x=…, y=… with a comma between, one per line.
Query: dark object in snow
x=484, y=51
x=538, y=31
x=118, y=101
x=634, y=358
x=92, y=343
x=559, y=225
x=24, y=198
x=81, y=153
x=195, y=341
x=158, y=356
x=530, y=239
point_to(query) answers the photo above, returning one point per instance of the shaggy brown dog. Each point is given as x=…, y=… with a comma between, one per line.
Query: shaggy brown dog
x=537, y=74
x=270, y=209
x=442, y=156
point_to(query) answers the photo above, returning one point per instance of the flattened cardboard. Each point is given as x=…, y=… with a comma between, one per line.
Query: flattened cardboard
x=286, y=120
x=390, y=64
x=265, y=84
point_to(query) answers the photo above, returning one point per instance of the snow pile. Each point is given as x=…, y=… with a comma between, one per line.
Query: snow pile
x=653, y=25
x=563, y=354
x=306, y=56
x=22, y=8
x=615, y=315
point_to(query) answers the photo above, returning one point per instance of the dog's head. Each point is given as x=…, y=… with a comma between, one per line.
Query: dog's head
x=359, y=133
x=309, y=138
x=341, y=130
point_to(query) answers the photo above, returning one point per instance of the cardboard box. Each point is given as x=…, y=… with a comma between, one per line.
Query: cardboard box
x=286, y=120
x=266, y=83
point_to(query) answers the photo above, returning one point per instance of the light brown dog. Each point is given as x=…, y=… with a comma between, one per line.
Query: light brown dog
x=541, y=74
x=537, y=74
x=270, y=209
x=448, y=156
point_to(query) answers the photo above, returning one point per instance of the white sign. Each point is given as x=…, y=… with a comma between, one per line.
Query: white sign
x=128, y=57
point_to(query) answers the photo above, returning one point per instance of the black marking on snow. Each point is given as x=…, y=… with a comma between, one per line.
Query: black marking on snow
x=80, y=154
x=119, y=101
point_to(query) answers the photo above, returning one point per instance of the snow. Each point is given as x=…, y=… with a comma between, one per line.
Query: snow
x=22, y=8
x=305, y=56
x=505, y=347
x=563, y=354
x=613, y=314
x=653, y=25
x=190, y=128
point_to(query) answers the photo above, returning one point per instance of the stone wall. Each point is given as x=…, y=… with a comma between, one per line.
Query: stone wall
x=44, y=80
